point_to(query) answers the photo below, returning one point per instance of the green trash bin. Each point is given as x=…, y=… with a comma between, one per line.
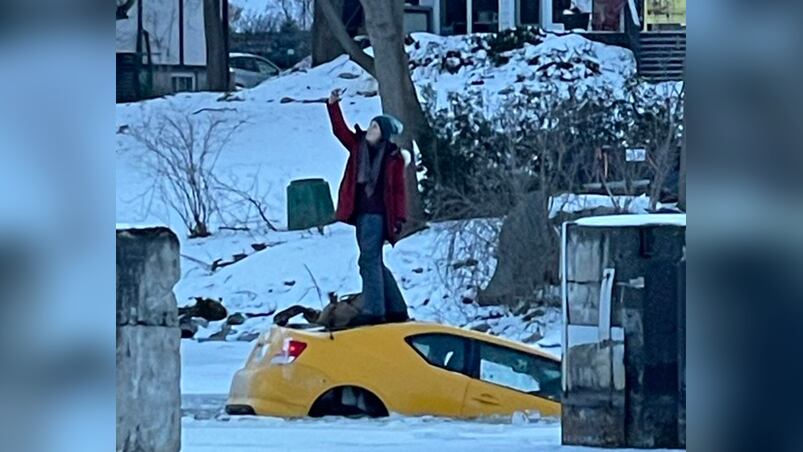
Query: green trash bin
x=309, y=204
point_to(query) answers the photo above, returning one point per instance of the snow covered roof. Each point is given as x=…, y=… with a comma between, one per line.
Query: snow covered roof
x=650, y=219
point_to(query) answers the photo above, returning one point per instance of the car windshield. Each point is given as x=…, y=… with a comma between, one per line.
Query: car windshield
x=265, y=68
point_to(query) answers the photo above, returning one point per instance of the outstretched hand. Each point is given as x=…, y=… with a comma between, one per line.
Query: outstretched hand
x=335, y=96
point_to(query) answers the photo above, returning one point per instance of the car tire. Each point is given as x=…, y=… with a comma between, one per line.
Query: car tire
x=348, y=401
x=240, y=410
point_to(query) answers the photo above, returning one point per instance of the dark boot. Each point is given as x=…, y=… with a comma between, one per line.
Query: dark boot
x=396, y=317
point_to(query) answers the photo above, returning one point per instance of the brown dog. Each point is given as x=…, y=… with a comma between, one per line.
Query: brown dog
x=337, y=314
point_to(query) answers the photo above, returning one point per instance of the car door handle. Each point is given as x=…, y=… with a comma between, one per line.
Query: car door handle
x=487, y=399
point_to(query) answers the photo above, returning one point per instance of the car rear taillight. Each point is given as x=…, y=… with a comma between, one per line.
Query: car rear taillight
x=291, y=350
x=295, y=348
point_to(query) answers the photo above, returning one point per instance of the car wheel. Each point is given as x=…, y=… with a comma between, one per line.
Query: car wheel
x=349, y=401
x=240, y=410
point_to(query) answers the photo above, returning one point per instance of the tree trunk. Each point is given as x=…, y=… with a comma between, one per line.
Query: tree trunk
x=527, y=256
x=216, y=58
x=334, y=22
x=122, y=10
x=325, y=46
x=385, y=25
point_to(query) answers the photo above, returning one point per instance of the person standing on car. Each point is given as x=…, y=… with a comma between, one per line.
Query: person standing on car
x=372, y=198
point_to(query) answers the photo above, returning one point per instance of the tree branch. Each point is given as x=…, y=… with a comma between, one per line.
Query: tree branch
x=122, y=10
x=337, y=28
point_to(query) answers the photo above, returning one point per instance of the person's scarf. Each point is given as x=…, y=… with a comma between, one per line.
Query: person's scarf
x=368, y=168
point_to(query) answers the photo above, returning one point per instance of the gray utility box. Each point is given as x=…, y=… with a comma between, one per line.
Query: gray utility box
x=623, y=289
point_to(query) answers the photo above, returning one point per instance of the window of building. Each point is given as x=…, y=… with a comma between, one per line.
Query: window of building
x=453, y=17
x=485, y=16
x=530, y=12
x=608, y=15
x=183, y=83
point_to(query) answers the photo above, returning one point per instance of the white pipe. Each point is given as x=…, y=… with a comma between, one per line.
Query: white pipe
x=545, y=14
x=470, y=16
x=634, y=13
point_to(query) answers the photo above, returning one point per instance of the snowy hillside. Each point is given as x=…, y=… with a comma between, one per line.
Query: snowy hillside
x=287, y=136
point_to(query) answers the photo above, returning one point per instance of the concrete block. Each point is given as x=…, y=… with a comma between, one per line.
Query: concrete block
x=148, y=389
x=147, y=270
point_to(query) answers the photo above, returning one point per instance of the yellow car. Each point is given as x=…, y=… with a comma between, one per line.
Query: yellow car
x=410, y=368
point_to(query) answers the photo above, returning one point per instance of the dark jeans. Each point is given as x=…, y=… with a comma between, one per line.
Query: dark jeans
x=382, y=296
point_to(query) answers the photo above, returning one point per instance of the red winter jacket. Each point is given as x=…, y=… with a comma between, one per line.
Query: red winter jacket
x=394, y=183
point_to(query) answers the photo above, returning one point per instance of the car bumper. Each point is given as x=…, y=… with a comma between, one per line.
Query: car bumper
x=275, y=390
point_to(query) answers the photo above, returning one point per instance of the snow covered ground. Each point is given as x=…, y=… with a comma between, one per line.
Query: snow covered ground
x=391, y=434
x=396, y=433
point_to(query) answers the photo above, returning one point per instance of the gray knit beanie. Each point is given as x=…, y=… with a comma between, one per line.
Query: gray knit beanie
x=389, y=126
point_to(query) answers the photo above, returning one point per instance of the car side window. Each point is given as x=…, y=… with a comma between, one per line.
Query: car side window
x=246, y=64
x=266, y=68
x=236, y=63
x=520, y=371
x=441, y=350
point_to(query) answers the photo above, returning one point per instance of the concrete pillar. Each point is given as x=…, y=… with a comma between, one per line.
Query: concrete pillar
x=642, y=405
x=148, y=361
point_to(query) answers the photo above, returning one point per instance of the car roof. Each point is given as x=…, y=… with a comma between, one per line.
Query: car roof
x=249, y=55
x=405, y=329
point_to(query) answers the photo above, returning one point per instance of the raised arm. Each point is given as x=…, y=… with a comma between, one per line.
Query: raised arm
x=346, y=136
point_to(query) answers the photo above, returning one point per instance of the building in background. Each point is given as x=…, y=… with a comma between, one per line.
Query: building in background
x=161, y=49
x=655, y=30
x=449, y=17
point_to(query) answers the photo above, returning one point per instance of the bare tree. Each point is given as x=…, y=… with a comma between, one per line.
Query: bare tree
x=306, y=14
x=217, y=71
x=123, y=8
x=235, y=13
x=334, y=23
x=325, y=46
x=255, y=22
x=181, y=154
x=661, y=132
x=244, y=203
x=296, y=11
